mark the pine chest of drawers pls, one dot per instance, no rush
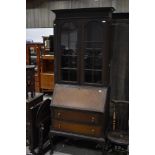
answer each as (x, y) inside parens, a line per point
(80, 110)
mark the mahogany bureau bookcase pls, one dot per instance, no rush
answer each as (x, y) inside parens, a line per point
(80, 102)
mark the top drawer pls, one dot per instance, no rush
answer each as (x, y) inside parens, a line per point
(77, 116)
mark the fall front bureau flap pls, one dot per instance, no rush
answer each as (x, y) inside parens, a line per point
(87, 98)
(80, 109)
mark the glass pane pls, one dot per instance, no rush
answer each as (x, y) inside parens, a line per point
(88, 63)
(73, 62)
(97, 77)
(64, 61)
(69, 52)
(93, 58)
(98, 52)
(89, 52)
(65, 73)
(88, 76)
(69, 38)
(97, 63)
(73, 76)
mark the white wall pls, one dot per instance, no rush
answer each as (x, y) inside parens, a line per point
(35, 34)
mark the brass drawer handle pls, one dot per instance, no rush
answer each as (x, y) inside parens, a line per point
(59, 126)
(93, 119)
(93, 131)
(58, 114)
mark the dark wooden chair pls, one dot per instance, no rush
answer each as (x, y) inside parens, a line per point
(32, 130)
(32, 106)
(118, 137)
(43, 123)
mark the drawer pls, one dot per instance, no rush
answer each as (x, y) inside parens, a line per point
(88, 130)
(47, 81)
(77, 116)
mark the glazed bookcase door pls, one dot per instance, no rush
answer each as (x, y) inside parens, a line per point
(68, 52)
(94, 52)
(82, 51)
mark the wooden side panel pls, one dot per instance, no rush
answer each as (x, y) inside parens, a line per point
(120, 60)
(36, 78)
(37, 85)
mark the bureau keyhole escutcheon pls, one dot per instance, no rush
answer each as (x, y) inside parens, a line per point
(93, 131)
(93, 119)
(59, 126)
(59, 114)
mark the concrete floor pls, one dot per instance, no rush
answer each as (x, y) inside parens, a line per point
(73, 147)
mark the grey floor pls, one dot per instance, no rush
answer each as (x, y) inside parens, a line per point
(47, 96)
(63, 148)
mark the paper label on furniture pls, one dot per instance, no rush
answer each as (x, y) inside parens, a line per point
(100, 91)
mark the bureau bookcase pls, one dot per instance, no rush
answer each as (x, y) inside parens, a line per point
(82, 65)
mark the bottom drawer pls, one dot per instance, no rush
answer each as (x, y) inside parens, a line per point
(89, 130)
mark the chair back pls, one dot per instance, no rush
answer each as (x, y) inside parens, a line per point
(43, 119)
(120, 115)
(43, 113)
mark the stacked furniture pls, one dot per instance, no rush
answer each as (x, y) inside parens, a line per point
(37, 114)
(47, 65)
(33, 57)
(47, 73)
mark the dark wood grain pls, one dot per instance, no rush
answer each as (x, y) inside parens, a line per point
(81, 19)
(77, 116)
(91, 130)
(80, 97)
